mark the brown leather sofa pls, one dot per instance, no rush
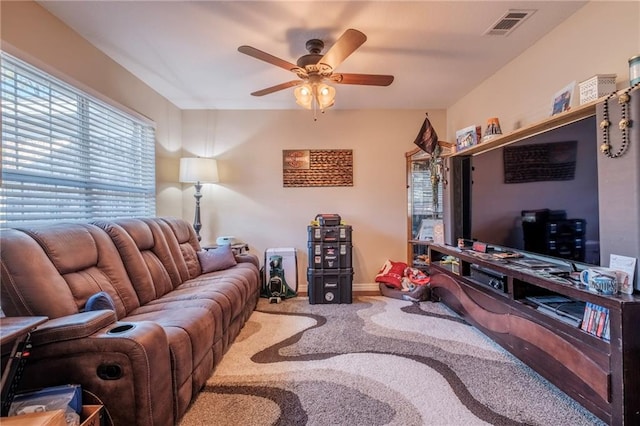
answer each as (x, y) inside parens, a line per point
(147, 360)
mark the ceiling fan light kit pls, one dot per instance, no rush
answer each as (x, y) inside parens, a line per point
(319, 95)
(313, 69)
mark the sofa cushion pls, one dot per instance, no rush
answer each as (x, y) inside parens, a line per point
(183, 245)
(190, 330)
(146, 256)
(216, 259)
(67, 263)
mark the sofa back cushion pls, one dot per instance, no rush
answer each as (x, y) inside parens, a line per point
(146, 256)
(53, 270)
(183, 245)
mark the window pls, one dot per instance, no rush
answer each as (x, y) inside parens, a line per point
(67, 156)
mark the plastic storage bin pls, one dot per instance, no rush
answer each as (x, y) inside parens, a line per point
(596, 87)
(329, 255)
(329, 233)
(330, 285)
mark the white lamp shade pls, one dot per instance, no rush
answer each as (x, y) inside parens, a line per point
(196, 169)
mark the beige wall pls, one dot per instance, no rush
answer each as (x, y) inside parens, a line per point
(251, 203)
(598, 39)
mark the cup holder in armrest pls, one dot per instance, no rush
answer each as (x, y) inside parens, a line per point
(109, 371)
(121, 328)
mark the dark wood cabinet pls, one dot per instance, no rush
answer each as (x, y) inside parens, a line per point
(602, 375)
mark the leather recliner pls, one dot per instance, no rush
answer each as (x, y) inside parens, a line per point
(147, 360)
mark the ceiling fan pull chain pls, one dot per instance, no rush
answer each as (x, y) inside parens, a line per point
(315, 109)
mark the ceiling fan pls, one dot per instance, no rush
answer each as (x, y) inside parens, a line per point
(314, 69)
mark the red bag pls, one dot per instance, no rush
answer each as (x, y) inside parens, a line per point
(391, 273)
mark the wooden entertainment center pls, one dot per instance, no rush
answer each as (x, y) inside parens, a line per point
(603, 376)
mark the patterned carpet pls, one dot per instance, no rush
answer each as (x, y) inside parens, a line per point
(378, 361)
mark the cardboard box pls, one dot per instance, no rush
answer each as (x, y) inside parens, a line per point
(45, 418)
(91, 415)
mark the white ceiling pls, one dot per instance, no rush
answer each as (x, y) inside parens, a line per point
(187, 51)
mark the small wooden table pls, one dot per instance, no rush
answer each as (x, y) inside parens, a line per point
(15, 333)
(238, 248)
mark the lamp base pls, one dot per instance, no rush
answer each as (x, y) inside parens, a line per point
(197, 226)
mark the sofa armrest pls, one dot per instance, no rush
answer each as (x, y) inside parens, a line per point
(73, 326)
(248, 258)
(127, 365)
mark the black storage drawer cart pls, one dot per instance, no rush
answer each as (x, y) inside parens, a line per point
(330, 271)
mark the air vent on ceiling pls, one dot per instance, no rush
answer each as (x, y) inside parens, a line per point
(509, 22)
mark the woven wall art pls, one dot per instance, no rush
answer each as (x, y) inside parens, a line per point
(317, 167)
(540, 162)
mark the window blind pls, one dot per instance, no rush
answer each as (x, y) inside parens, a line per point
(67, 156)
(422, 192)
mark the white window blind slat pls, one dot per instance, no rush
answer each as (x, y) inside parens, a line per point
(68, 156)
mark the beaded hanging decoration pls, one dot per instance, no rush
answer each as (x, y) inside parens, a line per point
(624, 123)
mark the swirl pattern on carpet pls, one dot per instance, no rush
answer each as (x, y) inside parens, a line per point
(377, 361)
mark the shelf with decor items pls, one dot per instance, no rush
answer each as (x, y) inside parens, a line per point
(574, 114)
(496, 290)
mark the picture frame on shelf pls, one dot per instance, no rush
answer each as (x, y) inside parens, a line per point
(430, 229)
(468, 137)
(438, 232)
(562, 99)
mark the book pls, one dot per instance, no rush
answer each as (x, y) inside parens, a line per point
(592, 318)
(507, 255)
(595, 321)
(585, 317)
(605, 333)
(601, 323)
(531, 263)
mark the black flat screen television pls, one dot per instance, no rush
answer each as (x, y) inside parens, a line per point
(498, 209)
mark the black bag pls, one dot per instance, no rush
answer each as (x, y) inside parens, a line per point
(427, 138)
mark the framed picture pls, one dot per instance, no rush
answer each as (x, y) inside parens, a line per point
(430, 229)
(438, 232)
(468, 137)
(562, 99)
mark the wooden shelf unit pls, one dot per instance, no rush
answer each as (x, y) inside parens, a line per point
(603, 376)
(561, 119)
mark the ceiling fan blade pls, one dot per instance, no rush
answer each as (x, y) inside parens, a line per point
(277, 87)
(348, 42)
(365, 79)
(263, 56)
